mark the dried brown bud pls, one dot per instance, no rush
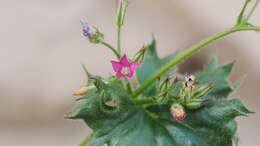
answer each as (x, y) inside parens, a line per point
(82, 90)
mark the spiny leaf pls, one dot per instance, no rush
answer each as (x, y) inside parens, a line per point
(213, 63)
(129, 125)
(92, 107)
(218, 75)
(218, 112)
(88, 75)
(97, 81)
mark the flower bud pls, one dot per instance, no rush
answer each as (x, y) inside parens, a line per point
(188, 86)
(194, 104)
(162, 98)
(167, 83)
(178, 112)
(82, 90)
(202, 90)
(121, 10)
(163, 85)
(190, 81)
(91, 32)
(139, 56)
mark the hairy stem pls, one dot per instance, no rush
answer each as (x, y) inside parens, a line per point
(189, 52)
(115, 51)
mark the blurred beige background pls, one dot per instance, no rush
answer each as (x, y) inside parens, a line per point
(42, 49)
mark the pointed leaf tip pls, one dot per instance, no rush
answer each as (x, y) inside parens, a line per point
(86, 71)
(240, 107)
(228, 67)
(213, 63)
(219, 76)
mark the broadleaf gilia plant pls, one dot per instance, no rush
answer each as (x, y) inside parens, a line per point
(160, 107)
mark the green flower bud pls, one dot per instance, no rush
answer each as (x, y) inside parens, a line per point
(96, 36)
(194, 104)
(139, 56)
(163, 85)
(162, 98)
(167, 83)
(202, 90)
(121, 11)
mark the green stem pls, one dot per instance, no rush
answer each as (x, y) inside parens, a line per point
(129, 88)
(241, 14)
(189, 52)
(142, 101)
(252, 11)
(119, 39)
(127, 85)
(116, 52)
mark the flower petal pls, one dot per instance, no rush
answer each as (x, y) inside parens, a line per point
(85, 28)
(133, 67)
(124, 61)
(117, 66)
(119, 74)
(84, 24)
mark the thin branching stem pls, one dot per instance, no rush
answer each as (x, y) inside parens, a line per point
(114, 50)
(189, 52)
(241, 14)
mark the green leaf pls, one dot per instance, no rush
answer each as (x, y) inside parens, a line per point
(129, 125)
(150, 65)
(219, 112)
(218, 75)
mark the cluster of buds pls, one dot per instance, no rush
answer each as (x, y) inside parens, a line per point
(191, 97)
(164, 87)
(92, 33)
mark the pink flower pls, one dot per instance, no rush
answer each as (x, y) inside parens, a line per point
(124, 67)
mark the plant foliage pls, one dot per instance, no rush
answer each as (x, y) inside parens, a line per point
(162, 107)
(126, 124)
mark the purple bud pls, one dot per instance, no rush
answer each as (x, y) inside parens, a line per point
(85, 28)
(91, 32)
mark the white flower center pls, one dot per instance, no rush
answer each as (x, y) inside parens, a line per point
(125, 70)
